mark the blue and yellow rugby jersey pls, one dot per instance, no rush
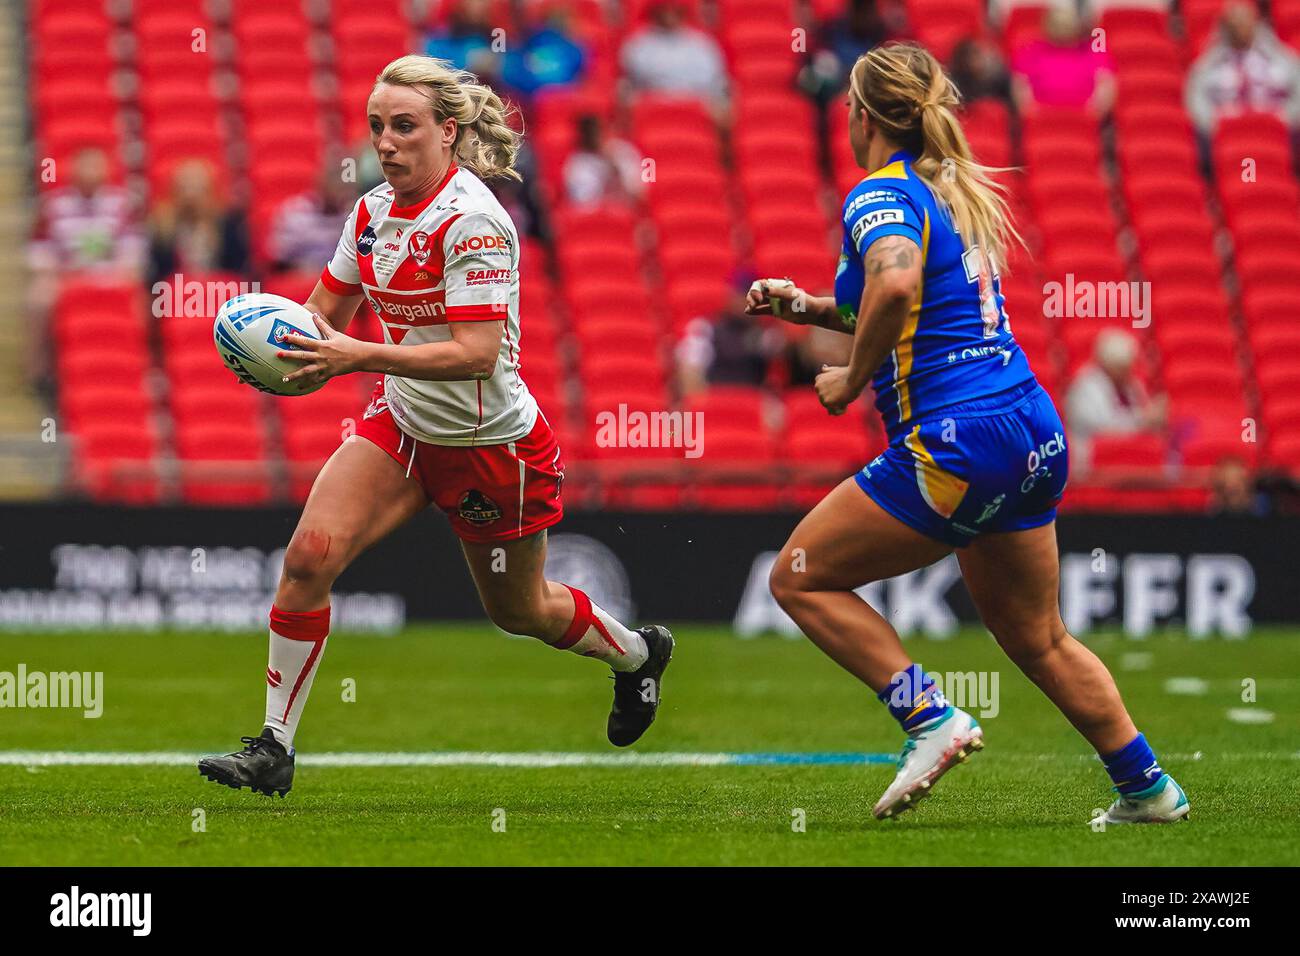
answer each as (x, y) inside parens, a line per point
(956, 343)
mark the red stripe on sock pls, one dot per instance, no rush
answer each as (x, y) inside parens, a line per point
(600, 626)
(302, 676)
(301, 625)
(582, 619)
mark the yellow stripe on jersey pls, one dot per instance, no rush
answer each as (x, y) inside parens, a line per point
(894, 170)
(942, 490)
(903, 350)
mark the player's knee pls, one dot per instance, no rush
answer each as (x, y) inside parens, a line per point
(1029, 641)
(785, 584)
(315, 556)
(525, 620)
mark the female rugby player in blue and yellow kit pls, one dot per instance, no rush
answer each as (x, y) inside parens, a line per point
(977, 457)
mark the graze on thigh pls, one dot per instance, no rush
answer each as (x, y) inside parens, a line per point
(848, 540)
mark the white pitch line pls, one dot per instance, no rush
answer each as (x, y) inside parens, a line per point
(171, 758)
(539, 759)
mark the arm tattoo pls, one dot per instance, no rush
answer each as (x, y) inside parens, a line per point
(891, 252)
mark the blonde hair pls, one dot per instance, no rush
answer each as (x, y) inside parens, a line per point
(909, 97)
(485, 142)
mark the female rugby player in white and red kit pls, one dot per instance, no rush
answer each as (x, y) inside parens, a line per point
(452, 423)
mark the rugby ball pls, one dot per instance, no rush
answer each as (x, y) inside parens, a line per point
(250, 330)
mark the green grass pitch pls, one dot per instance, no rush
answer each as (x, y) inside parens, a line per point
(1024, 800)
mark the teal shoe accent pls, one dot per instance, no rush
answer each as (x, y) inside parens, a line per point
(908, 746)
(934, 722)
(1154, 790)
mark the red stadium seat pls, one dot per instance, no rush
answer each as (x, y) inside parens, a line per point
(1155, 84)
(605, 372)
(619, 335)
(941, 24)
(1061, 150)
(688, 299)
(1204, 373)
(696, 259)
(1141, 450)
(117, 461)
(1204, 451)
(849, 447)
(43, 11)
(215, 402)
(106, 363)
(1282, 417)
(1271, 305)
(1269, 340)
(223, 464)
(604, 299)
(743, 481)
(1284, 452)
(104, 401)
(730, 406)
(336, 405)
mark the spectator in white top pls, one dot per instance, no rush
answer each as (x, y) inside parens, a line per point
(1107, 398)
(602, 169)
(89, 226)
(668, 56)
(90, 223)
(306, 227)
(1248, 70)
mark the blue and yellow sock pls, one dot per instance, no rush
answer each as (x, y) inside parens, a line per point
(1133, 767)
(913, 698)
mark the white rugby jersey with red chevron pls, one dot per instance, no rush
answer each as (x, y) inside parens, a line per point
(452, 258)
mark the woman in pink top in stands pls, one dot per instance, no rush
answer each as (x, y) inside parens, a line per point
(1066, 67)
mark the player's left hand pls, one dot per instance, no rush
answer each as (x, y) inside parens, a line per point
(834, 390)
(332, 354)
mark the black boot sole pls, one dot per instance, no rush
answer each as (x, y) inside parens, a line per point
(217, 775)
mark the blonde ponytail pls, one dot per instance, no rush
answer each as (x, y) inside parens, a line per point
(907, 94)
(485, 144)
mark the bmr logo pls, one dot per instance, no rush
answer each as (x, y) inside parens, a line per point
(871, 220)
(481, 244)
(74, 908)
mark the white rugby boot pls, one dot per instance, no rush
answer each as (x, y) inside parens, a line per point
(931, 751)
(1162, 802)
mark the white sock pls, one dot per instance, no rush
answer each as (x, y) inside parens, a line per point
(595, 633)
(297, 643)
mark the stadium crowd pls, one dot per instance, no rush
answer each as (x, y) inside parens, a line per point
(674, 151)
